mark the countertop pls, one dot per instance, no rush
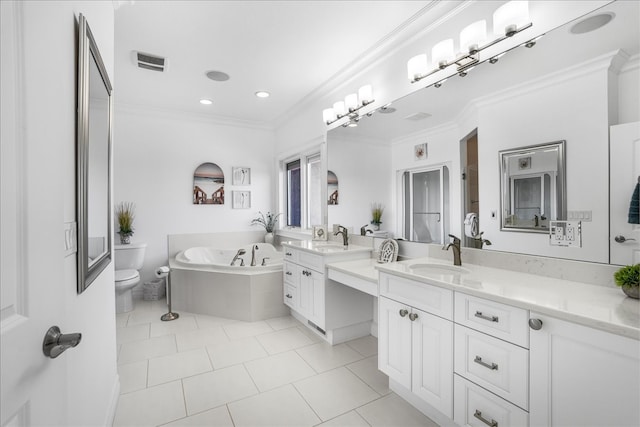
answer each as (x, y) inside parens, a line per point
(599, 307)
(322, 247)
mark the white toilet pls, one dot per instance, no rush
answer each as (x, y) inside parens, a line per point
(128, 260)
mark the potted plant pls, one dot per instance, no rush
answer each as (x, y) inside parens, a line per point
(376, 214)
(126, 213)
(628, 278)
(269, 222)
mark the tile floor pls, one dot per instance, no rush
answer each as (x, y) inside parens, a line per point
(208, 371)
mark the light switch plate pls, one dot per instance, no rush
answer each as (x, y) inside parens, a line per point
(565, 233)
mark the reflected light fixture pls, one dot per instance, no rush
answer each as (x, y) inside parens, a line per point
(205, 101)
(508, 20)
(262, 94)
(349, 107)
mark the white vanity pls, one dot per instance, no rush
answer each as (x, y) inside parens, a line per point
(475, 346)
(336, 312)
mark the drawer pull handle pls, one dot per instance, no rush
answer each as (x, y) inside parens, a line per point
(306, 273)
(413, 316)
(489, 318)
(403, 312)
(288, 253)
(492, 366)
(492, 423)
(288, 273)
(289, 296)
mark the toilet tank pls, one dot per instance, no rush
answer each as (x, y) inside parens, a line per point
(129, 257)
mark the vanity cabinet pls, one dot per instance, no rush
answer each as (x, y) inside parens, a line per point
(415, 339)
(335, 311)
(582, 376)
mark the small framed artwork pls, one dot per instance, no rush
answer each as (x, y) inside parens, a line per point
(420, 151)
(241, 199)
(524, 163)
(241, 175)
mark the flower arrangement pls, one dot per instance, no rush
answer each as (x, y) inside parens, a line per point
(376, 213)
(268, 221)
(125, 213)
(628, 278)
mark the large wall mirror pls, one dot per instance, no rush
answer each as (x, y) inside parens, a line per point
(572, 86)
(93, 159)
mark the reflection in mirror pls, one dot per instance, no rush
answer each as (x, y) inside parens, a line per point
(570, 86)
(533, 187)
(94, 160)
(332, 188)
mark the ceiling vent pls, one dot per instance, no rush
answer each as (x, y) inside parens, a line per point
(417, 116)
(150, 62)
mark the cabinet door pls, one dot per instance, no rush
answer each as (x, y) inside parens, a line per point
(432, 351)
(582, 376)
(312, 295)
(394, 340)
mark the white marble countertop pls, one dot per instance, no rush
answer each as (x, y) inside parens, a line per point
(600, 307)
(364, 269)
(325, 247)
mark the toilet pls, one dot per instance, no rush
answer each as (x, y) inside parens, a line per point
(128, 260)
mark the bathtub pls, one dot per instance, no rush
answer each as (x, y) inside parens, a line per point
(203, 281)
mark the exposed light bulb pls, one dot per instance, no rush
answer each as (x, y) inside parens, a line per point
(205, 101)
(510, 16)
(473, 36)
(442, 53)
(417, 67)
(365, 94)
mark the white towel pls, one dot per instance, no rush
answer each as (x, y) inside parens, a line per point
(471, 225)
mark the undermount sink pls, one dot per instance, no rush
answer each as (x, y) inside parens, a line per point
(328, 247)
(428, 269)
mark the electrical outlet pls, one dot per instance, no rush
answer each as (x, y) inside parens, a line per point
(565, 233)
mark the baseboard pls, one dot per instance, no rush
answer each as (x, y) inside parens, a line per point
(113, 402)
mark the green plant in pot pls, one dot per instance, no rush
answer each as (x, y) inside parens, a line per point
(125, 213)
(269, 222)
(376, 215)
(628, 278)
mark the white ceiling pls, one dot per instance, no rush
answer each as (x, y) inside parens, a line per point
(289, 48)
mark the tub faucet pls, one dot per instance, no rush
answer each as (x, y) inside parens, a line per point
(345, 235)
(456, 249)
(235, 258)
(253, 255)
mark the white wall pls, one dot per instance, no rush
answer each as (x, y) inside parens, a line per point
(50, 35)
(155, 155)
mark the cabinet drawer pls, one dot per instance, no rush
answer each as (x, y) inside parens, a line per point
(289, 272)
(498, 366)
(312, 261)
(496, 319)
(429, 298)
(477, 407)
(291, 296)
(290, 255)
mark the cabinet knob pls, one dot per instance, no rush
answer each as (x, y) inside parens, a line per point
(403, 312)
(288, 253)
(289, 296)
(288, 273)
(535, 324)
(413, 316)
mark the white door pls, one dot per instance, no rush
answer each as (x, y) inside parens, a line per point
(33, 387)
(394, 341)
(624, 170)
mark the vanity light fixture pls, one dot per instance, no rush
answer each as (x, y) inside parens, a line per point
(349, 107)
(508, 20)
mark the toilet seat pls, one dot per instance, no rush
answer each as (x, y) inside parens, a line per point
(126, 277)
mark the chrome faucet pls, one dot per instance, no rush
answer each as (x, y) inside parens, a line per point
(345, 235)
(253, 255)
(235, 258)
(364, 231)
(456, 249)
(481, 241)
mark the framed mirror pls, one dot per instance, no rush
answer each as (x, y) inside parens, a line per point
(533, 187)
(93, 162)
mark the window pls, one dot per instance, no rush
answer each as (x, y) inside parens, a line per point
(303, 190)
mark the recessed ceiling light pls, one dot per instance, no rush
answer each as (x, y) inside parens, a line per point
(206, 101)
(262, 94)
(217, 76)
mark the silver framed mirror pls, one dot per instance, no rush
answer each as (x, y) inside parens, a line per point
(93, 161)
(533, 187)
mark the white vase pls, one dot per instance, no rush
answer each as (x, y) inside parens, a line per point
(269, 238)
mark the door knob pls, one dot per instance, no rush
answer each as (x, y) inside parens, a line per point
(621, 239)
(535, 324)
(55, 343)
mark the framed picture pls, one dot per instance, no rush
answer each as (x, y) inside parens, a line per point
(241, 175)
(420, 151)
(208, 185)
(241, 199)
